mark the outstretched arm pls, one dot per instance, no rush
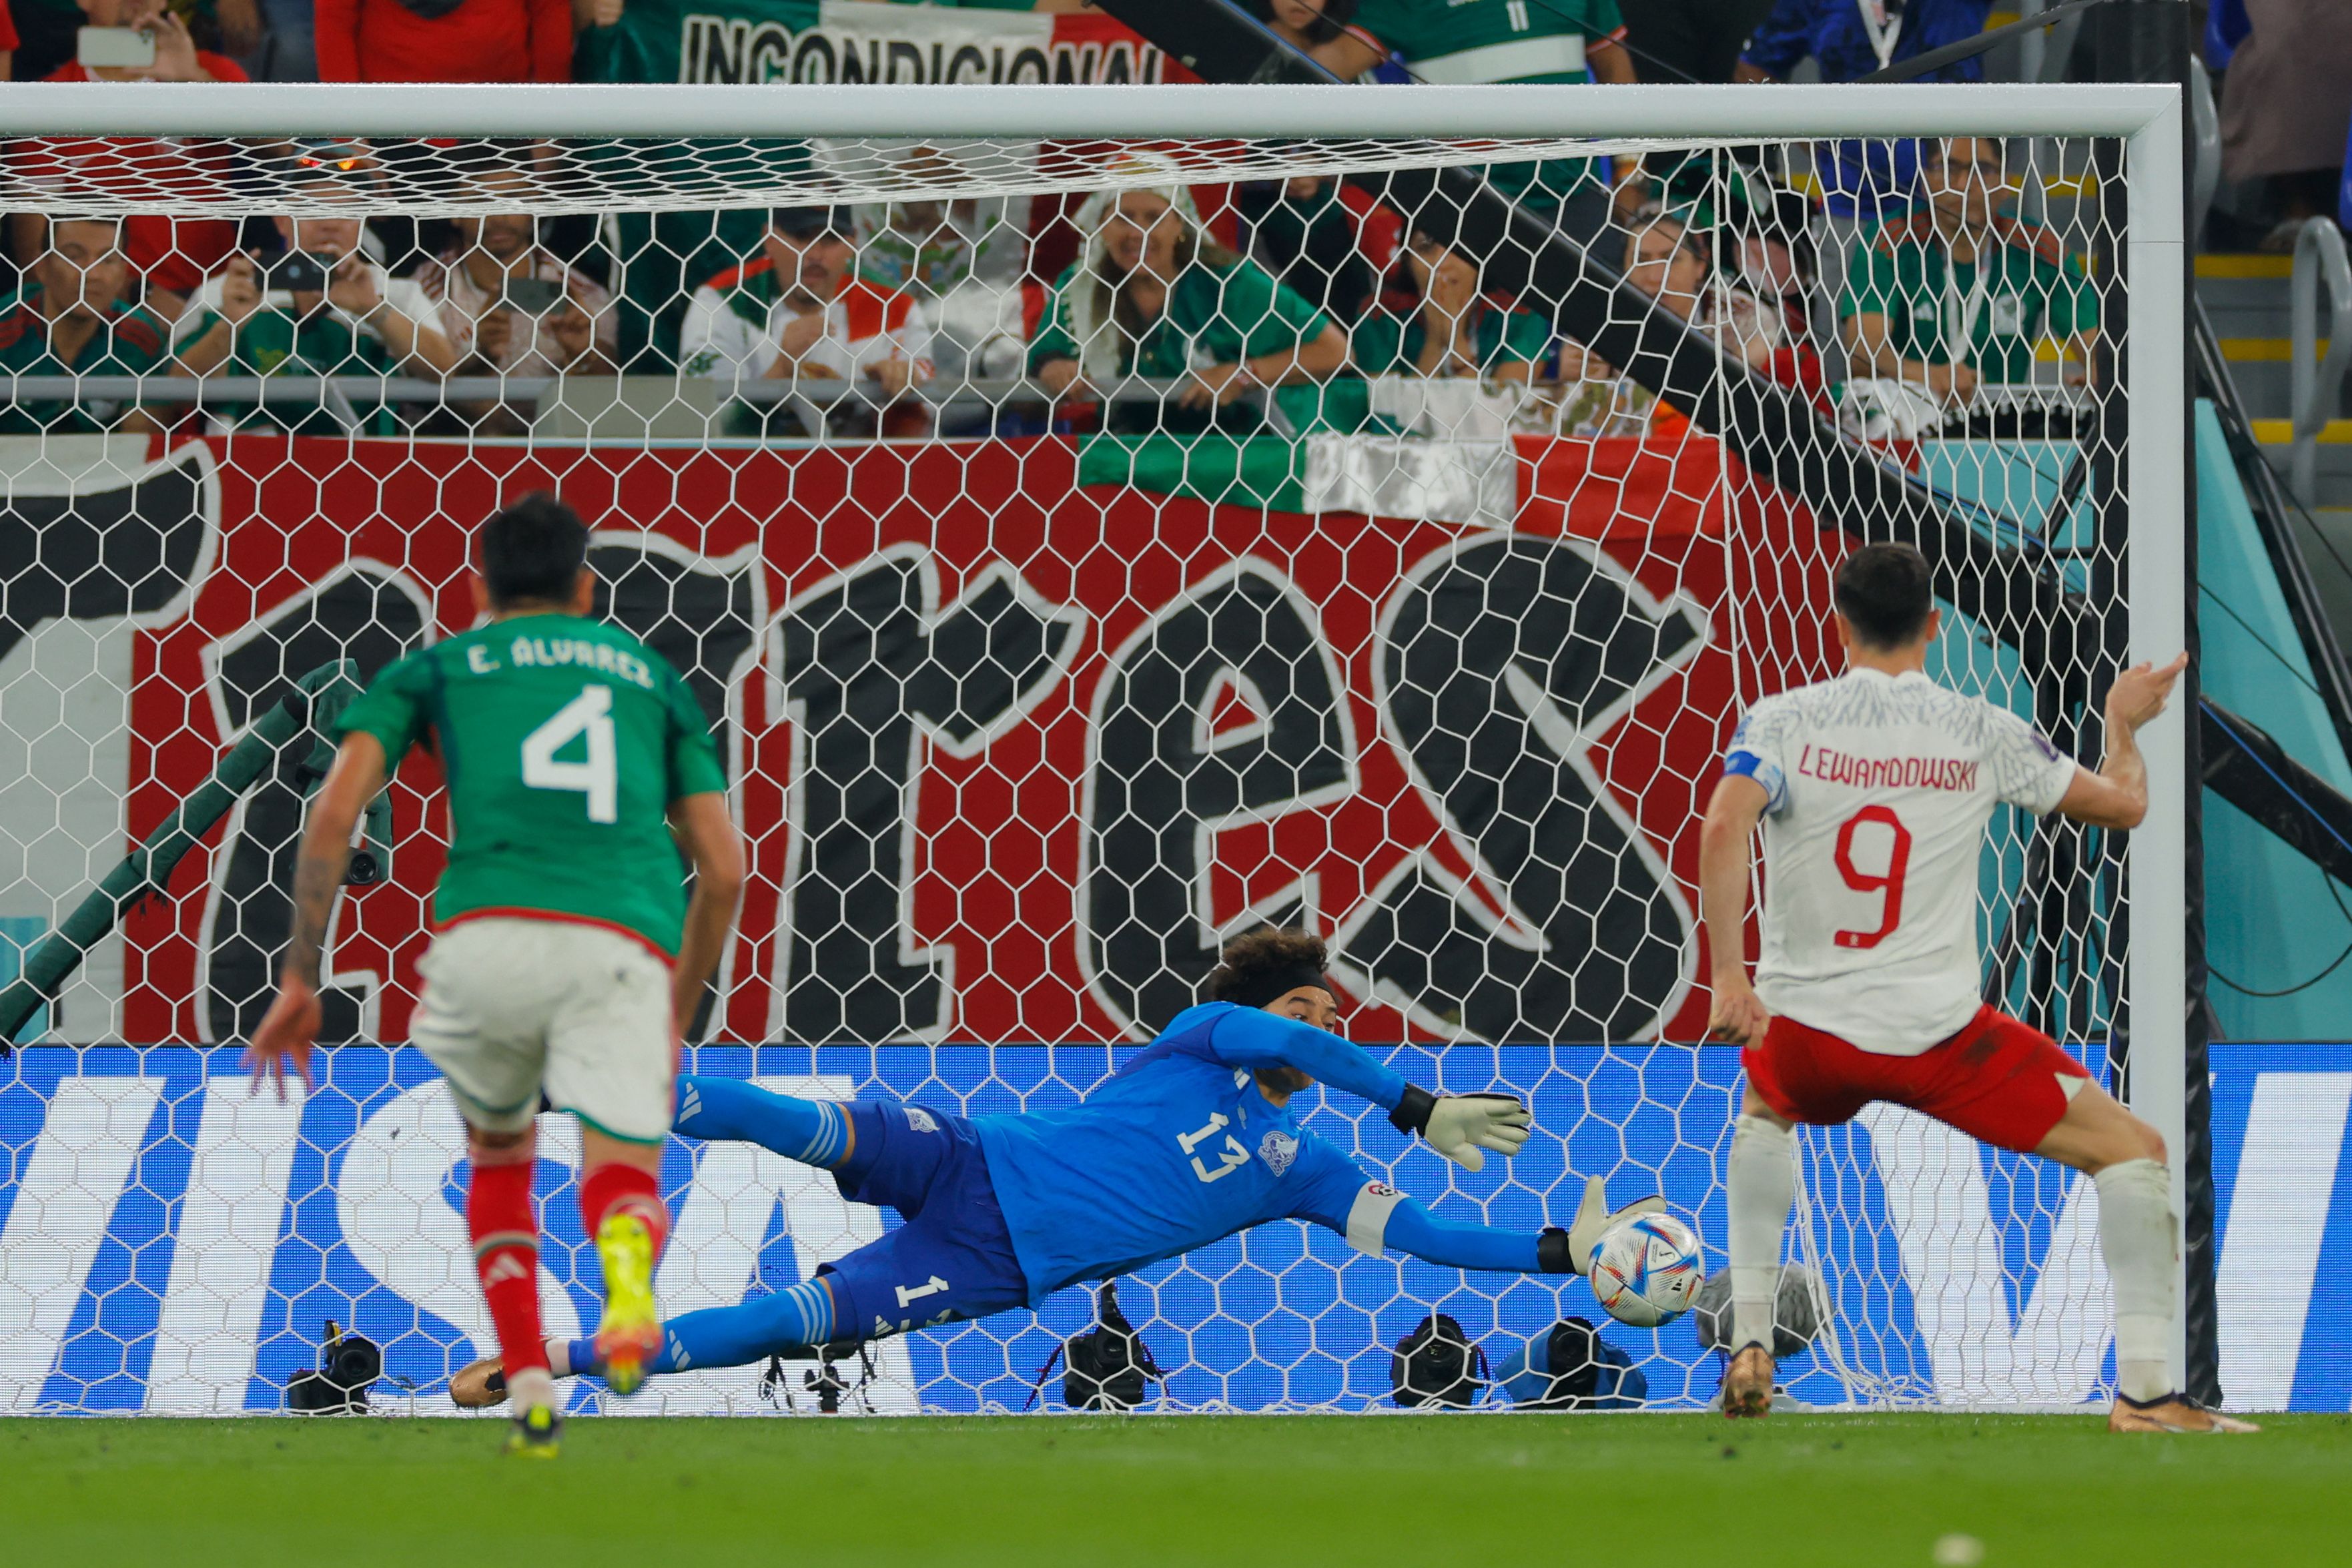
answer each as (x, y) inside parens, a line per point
(283, 1041)
(1253, 1037)
(1375, 1216)
(1459, 1127)
(1381, 1217)
(1412, 1228)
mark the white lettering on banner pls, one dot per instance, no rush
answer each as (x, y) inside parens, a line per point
(713, 1260)
(69, 666)
(64, 777)
(229, 1227)
(2278, 1216)
(1941, 1210)
(64, 1201)
(399, 1225)
(856, 42)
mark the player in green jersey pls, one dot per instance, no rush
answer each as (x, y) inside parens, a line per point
(568, 958)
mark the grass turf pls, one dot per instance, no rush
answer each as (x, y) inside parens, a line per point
(1820, 1491)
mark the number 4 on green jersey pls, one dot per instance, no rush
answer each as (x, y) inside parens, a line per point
(587, 717)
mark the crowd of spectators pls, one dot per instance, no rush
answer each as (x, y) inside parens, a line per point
(1904, 279)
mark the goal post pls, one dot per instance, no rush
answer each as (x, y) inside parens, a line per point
(1031, 683)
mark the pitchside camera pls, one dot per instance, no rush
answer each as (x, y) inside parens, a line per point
(348, 1367)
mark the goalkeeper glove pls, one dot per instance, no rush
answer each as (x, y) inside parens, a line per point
(1462, 1127)
(1569, 1251)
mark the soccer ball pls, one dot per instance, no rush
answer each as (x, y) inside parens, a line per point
(1647, 1270)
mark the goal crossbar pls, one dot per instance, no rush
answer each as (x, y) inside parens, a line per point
(1674, 113)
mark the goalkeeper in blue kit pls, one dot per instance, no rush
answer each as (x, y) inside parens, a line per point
(1194, 1139)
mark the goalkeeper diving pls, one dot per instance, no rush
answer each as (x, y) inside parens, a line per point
(1196, 1138)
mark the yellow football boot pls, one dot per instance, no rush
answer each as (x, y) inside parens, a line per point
(631, 1334)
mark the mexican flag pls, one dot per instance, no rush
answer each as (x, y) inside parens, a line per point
(1604, 487)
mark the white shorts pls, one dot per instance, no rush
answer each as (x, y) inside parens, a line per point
(515, 1006)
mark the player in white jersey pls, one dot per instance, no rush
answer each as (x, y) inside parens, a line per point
(1873, 790)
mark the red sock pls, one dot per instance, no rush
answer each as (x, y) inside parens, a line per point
(506, 1258)
(616, 1187)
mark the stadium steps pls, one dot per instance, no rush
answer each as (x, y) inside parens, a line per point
(2246, 299)
(2277, 437)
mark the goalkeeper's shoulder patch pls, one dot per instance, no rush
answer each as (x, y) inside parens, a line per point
(1367, 1218)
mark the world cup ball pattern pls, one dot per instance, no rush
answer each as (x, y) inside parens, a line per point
(1647, 1270)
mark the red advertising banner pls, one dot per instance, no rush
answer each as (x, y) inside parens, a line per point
(1010, 752)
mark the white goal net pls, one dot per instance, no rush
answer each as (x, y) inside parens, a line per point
(1086, 546)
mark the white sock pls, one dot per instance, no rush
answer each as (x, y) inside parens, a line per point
(1762, 1180)
(558, 1357)
(2141, 1243)
(529, 1388)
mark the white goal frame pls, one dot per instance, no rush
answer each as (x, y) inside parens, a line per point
(2148, 119)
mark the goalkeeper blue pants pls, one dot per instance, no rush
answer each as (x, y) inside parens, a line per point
(950, 1259)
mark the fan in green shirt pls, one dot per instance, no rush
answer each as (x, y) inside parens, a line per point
(1957, 294)
(1440, 325)
(1434, 321)
(1153, 295)
(1526, 42)
(70, 319)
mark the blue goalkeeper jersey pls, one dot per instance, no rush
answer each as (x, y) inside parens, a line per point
(1180, 1149)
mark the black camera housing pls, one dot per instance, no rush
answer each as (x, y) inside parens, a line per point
(299, 272)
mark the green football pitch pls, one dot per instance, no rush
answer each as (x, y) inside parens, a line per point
(1819, 1490)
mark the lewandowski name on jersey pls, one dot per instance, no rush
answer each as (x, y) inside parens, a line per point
(1886, 773)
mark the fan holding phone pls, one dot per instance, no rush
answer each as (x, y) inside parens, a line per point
(510, 306)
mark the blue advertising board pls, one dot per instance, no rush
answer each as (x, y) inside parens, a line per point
(172, 1242)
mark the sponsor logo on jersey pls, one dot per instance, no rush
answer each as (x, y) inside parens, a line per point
(921, 1121)
(1278, 1149)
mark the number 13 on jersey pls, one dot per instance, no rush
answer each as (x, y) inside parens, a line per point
(588, 719)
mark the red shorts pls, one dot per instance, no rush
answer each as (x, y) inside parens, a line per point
(1998, 1080)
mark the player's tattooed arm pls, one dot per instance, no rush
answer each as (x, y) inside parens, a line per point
(2116, 795)
(282, 1043)
(315, 878)
(326, 852)
(708, 836)
(1737, 1015)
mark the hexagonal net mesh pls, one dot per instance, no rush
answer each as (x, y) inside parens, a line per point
(1081, 551)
